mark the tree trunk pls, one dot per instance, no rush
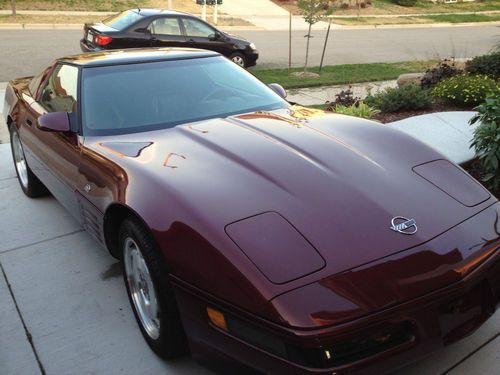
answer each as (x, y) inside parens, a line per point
(307, 47)
(13, 5)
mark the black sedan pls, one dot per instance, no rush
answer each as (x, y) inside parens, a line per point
(164, 28)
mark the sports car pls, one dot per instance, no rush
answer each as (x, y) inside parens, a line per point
(253, 231)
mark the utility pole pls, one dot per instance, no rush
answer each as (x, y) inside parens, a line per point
(216, 10)
(13, 5)
(290, 43)
(204, 11)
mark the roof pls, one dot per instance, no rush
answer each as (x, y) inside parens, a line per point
(135, 55)
(152, 12)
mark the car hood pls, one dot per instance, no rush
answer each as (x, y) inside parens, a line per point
(237, 38)
(337, 180)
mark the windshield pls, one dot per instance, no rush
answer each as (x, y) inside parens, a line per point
(122, 20)
(132, 98)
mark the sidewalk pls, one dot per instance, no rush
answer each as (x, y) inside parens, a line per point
(320, 95)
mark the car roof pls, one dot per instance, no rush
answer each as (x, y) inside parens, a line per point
(153, 12)
(134, 55)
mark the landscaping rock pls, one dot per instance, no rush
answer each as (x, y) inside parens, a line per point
(410, 79)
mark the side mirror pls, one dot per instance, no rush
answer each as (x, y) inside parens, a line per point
(278, 89)
(215, 36)
(54, 122)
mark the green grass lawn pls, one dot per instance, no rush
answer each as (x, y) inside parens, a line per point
(458, 18)
(442, 18)
(422, 6)
(99, 5)
(342, 74)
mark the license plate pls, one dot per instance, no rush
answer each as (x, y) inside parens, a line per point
(90, 37)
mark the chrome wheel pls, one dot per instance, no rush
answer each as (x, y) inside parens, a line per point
(141, 288)
(19, 160)
(238, 60)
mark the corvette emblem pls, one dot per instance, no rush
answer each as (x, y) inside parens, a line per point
(403, 225)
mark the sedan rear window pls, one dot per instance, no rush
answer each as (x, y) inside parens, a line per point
(122, 20)
(132, 98)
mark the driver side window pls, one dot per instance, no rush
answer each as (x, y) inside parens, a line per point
(197, 28)
(60, 92)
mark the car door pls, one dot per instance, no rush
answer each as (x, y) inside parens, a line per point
(167, 32)
(201, 35)
(56, 154)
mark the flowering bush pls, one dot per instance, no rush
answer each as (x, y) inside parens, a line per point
(466, 91)
(445, 69)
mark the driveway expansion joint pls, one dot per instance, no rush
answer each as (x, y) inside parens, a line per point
(29, 337)
(472, 353)
(2, 252)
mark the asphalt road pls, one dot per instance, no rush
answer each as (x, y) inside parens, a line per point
(24, 52)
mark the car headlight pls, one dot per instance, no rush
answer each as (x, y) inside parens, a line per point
(252, 46)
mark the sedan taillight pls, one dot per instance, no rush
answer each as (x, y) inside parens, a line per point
(102, 40)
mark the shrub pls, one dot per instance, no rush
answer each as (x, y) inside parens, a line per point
(486, 64)
(486, 141)
(400, 99)
(345, 98)
(466, 90)
(359, 109)
(444, 69)
(405, 3)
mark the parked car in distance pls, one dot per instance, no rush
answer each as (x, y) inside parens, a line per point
(292, 240)
(139, 28)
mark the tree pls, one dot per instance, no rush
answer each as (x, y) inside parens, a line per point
(313, 12)
(13, 6)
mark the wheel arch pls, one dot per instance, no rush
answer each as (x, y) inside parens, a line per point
(115, 214)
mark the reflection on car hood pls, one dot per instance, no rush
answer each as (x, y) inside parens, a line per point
(338, 180)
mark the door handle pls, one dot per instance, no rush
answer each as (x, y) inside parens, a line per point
(191, 40)
(29, 122)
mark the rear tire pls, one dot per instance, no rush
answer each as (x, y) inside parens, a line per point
(30, 184)
(239, 59)
(150, 292)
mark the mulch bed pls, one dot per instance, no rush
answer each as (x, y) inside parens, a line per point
(396, 116)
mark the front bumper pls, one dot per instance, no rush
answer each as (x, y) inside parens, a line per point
(433, 320)
(252, 58)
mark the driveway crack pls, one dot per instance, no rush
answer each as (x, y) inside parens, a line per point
(471, 354)
(26, 331)
(2, 252)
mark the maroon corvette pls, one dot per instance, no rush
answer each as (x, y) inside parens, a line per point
(249, 229)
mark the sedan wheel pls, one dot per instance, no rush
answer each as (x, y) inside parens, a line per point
(238, 59)
(150, 292)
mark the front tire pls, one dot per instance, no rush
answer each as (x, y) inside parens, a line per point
(239, 59)
(30, 184)
(150, 292)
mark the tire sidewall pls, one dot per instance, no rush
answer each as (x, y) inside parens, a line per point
(13, 130)
(165, 345)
